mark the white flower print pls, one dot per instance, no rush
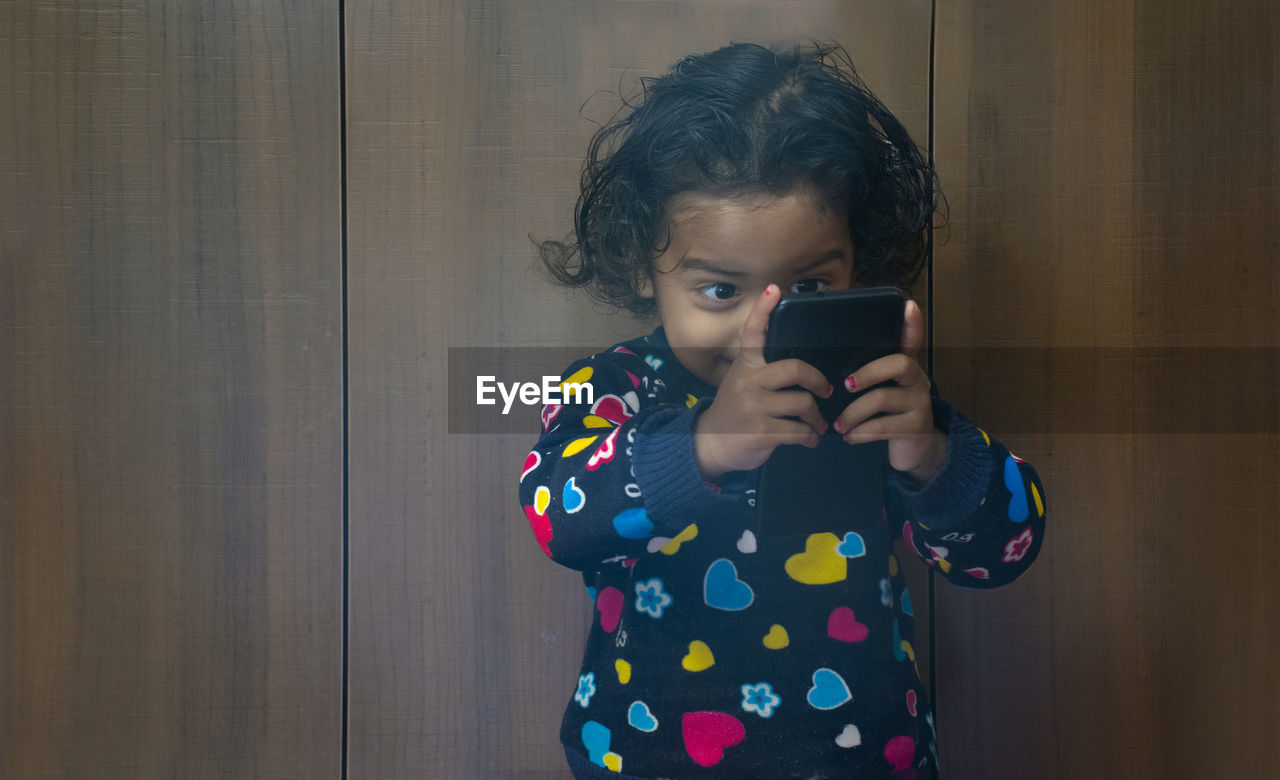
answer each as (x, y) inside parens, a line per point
(652, 598)
(760, 699)
(586, 688)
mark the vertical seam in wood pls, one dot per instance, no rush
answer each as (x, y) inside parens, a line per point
(346, 388)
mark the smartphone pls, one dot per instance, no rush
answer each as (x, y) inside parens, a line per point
(835, 486)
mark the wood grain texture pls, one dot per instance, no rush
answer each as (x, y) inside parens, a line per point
(1112, 170)
(170, 390)
(465, 136)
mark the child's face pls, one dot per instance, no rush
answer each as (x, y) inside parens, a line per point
(723, 254)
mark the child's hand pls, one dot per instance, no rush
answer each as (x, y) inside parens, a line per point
(915, 445)
(748, 418)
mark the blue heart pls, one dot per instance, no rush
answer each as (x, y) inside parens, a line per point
(852, 546)
(572, 497)
(898, 653)
(633, 524)
(829, 690)
(723, 590)
(640, 717)
(906, 603)
(596, 738)
(1013, 480)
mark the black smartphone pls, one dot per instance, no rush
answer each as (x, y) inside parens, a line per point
(836, 486)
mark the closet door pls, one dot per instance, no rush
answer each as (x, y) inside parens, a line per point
(1106, 304)
(465, 137)
(170, 390)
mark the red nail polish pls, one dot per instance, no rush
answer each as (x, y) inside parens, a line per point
(849, 384)
(838, 425)
(830, 390)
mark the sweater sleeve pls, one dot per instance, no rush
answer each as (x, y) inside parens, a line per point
(981, 519)
(617, 479)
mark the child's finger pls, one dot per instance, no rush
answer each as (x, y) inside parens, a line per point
(794, 432)
(751, 340)
(879, 403)
(901, 368)
(912, 329)
(790, 372)
(797, 404)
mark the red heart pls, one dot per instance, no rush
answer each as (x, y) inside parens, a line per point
(911, 702)
(531, 462)
(541, 526)
(707, 734)
(609, 602)
(605, 452)
(900, 752)
(611, 408)
(844, 627)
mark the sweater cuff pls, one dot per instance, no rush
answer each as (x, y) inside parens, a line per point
(960, 485)
(666, 470)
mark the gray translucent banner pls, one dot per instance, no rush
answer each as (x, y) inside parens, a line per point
(1009, 390)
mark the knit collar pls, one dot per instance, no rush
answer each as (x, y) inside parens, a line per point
(658, 341)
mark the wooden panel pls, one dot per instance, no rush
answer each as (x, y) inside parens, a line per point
(1112, 172)
(170, 390)
(464, 138)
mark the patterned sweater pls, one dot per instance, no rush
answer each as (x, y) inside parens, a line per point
(715, 651)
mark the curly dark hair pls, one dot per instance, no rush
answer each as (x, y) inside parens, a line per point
(741, 120)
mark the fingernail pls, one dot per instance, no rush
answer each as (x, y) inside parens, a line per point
(849, 384)
(838, 425)
(830, 390)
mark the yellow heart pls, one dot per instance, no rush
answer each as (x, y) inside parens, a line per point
(624, 671)
(613, 762)
(893, 566)
(578, 377)
(819, 564)
(906, 648)
(592, 421)
(672, 547)
(578, 445)
(541, 499)
(699, 657)
(1039, 504)
(777, 638)
(690, 400)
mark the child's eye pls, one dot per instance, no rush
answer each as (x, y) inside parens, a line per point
(809, 285)
(719, 291)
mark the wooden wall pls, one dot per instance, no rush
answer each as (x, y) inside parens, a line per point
(1112, 168)
(170, 390)
(183, 473)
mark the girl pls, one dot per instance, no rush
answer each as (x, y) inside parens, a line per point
(742, 175)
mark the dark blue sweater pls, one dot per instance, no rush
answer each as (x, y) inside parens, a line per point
(717, 652)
